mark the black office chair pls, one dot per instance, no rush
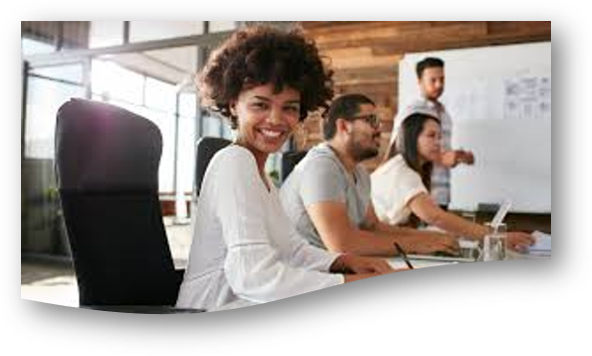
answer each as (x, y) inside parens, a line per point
(289, 161)
(107, 161)
(206, 148)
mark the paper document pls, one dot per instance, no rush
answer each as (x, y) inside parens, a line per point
(445, 259)
(542, 243)
(398, 263)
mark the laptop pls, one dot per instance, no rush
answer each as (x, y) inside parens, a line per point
(498, 218)
(501, 213)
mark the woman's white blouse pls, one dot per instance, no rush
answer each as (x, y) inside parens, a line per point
(244, 246)
(394, 185)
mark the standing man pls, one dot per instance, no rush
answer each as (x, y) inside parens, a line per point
(327, 195)
(430, 78)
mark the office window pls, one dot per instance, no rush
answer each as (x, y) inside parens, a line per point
(160, 102)
(135, 108)
(173, 65)
(186, 153)
(219, 26)
(72, 73)
(227, 132)
(156, 101)
(187, 141)
(157, 30)
(105, 33)
(30, 47)
(188, 104)
(110, 80)
(44, 97)
(212, 125)
(160, 95)
(166, 124)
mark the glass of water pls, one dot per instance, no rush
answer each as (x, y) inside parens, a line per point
(495, 242)
(469, 248)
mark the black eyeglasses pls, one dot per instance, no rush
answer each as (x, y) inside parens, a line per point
(372, 120)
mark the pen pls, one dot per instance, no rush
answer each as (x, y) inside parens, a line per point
(402, 253)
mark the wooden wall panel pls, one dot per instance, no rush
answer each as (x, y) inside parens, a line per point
(67, 34)
(365, 56)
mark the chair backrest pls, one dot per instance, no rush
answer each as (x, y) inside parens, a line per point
(206, 148)
(289, 161)
(107, 161)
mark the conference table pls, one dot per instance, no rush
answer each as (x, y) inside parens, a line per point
(423, 261)
(417, 262)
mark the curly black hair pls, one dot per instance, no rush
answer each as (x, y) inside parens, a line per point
(262, 55)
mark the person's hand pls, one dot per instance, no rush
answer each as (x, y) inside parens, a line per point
(519, 241)
(362, 265)
(426, 243)
(452, 158)
(465, 157)
(449, 159)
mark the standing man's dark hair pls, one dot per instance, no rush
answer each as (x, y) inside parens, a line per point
(344, 107)
(429, 62)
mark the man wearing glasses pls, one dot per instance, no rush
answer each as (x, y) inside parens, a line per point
(327, 195)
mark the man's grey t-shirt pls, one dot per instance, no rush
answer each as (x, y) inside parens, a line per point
(321, 177)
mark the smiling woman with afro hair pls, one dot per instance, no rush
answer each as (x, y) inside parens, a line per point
(261, 55)
(245, 249)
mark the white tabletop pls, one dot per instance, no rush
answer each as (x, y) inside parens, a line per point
(513, 255)
(397, 262)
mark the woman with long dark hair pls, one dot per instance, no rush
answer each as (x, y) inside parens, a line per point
(400, 186)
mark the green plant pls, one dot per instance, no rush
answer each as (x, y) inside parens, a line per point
(275, 176)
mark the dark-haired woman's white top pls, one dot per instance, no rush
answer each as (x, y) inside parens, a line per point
(394, 185)
(244, 246)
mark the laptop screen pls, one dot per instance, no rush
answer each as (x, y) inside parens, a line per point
(501, 213)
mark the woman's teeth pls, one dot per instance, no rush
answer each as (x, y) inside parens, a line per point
(272, 134)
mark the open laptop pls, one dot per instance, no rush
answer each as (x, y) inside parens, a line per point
(501, 213)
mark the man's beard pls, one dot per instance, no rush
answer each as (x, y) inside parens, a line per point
(360, 153)
(435, 96)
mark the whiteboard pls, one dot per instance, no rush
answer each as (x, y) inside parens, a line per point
(499, 99)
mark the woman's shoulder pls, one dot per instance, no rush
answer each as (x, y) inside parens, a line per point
(231, 151)
(404, 170)
(234, 165)
(233, 157)
(393, 165)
